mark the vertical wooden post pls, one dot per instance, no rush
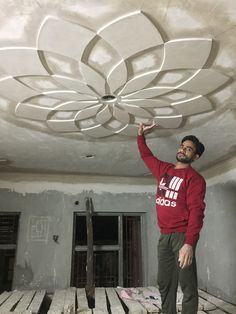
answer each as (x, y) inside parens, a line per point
(89, 269)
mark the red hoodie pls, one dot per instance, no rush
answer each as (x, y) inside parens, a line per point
(179, 198)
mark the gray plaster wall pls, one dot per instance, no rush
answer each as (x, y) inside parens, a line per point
(47, 208)
(216, 252)
(50, 202)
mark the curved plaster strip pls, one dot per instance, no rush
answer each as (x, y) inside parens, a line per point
(129, 130)
(63, 125)
(171, 122)
(138, 82)
(93, 79)
(39, 83)
(21, 92)
(206, 81)
(149, 92)
(21, 61)
(75, 105)
(121, 35)
(192, 106)
(121, 115)
(97, 131)
(67, 95)
(56, 35)
(104, 115)
(74, 84)
(147, 103)
(117, 77)
(26, 110)
(186, 53)
(88, 112)
(136, 111)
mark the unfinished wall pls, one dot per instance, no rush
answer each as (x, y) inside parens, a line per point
(47, 205)
(216, 251)
(50, 202)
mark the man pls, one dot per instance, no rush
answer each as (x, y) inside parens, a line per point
(180, 212)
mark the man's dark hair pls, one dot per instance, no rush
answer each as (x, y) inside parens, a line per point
(199, 146)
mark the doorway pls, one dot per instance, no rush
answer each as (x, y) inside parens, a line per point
(8, 244)
(117, 250)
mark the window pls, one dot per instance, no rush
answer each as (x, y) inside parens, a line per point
(116, 250)
(8, 242)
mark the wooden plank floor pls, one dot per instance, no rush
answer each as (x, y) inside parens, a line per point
(107, 301)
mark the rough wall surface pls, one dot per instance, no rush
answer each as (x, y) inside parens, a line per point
(43, 263)
(48, 203)
(216, 251)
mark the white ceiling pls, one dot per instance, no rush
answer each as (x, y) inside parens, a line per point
(77, 77)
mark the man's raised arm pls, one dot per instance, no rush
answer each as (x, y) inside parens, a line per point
(147, 156)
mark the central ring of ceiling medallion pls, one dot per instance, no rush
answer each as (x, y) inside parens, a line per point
(109, 99)
(106, 82)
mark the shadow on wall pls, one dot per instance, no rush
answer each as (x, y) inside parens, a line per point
(23, 276)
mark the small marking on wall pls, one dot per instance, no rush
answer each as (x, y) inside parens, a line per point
(38, 228)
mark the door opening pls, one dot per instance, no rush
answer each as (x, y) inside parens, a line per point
(8, 242)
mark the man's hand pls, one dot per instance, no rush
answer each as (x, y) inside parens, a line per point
(185, 256)
(145, 128)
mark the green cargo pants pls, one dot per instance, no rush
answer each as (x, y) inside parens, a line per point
(169, 274)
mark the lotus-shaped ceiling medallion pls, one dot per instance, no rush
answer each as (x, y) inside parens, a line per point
(104, 83)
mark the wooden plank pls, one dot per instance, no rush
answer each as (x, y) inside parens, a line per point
(25, 301)
(114, 301)
(225, 306)
(37, 301)
(217, 311)
(69, 305)
(134, 306)
(147, 302)
(24, 312)
(58, 301)
(4, 296)
(99, 311)
(89, 311)
(206, 306)
(89, 266)
(82, 302)
(203, 304)
(100, 301)
(11, 302)
(156, 294)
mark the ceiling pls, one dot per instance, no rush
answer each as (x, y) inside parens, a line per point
(77, 78)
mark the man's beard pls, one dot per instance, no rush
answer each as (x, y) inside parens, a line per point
(184, 160)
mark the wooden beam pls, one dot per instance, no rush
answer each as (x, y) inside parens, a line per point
(114, 301)
(4, 296)
(225, 306)
(25, 301)
(37, 301)
(148, 305)
(69, 305)
(100, 301)
(11, 302)
(82, 302)
(89, 269)
(58, 300)
(134, 306)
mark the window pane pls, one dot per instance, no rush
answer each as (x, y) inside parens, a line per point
(105, 230)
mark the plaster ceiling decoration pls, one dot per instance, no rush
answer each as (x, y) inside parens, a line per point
(106, 82)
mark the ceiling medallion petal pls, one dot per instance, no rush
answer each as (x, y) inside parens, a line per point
(104, 82)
